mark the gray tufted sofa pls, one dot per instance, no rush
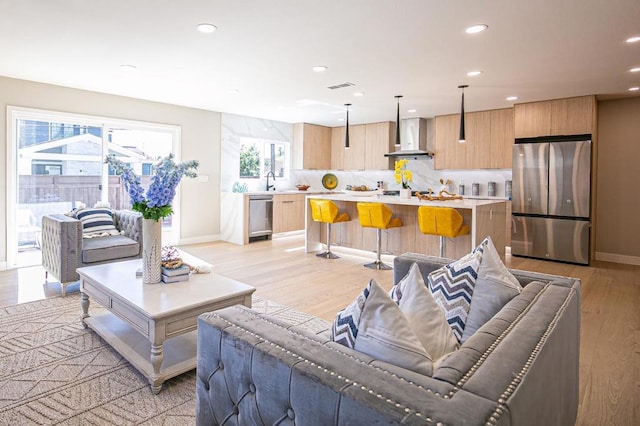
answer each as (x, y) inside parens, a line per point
(64, 249)
(520, 368)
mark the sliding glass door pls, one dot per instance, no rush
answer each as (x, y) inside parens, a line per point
(56, 164)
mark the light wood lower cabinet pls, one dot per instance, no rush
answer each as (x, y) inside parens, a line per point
(288, 212)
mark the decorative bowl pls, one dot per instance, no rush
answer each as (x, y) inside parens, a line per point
(302, 187)
(330, 181)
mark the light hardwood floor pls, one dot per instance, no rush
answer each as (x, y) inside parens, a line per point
(282, 272)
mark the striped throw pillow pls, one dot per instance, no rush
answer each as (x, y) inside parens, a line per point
(452, 287)
(96, 222)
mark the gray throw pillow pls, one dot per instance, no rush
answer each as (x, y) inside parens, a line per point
(374, 325)
(495, 286)
(423, 313)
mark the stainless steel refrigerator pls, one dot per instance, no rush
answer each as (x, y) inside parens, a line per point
(551, 199)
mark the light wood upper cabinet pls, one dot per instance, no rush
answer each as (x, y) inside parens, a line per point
(558, 117)
(573, 116)
(532, 119)
(311, 146)
(447, 149)
(288, 212)
(379, 141)
(478, 141)
(337, 148)
(367, 145)
(489, 134)
(354, 156)
(502, 138)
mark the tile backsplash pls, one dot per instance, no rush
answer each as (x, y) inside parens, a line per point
(424, 177)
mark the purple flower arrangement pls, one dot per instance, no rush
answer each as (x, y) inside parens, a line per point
(167, 175)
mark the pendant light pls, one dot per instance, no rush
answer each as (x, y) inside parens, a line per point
(346, 130)
(461, 139)
(398, 121)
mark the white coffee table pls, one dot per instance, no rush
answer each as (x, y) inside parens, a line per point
(153, 326)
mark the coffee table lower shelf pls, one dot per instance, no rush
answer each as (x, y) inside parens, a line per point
(179, 353)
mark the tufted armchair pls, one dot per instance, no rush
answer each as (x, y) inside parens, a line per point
(64, 249)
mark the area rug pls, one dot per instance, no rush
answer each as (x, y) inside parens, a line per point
(55, 372)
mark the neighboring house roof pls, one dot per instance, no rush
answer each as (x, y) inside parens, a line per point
(37, 152)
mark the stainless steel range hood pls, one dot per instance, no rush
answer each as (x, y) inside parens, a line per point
(415, 137)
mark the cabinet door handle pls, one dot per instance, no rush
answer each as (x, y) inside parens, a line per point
(287, 202)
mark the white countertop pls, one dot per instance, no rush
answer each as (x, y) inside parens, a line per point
(465, 203)
(285, 192)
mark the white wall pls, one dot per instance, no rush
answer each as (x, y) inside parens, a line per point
(200, 140)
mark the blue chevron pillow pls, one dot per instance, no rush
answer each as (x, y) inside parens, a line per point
(452, 287)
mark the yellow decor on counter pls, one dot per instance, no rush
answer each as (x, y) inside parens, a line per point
(401, 174)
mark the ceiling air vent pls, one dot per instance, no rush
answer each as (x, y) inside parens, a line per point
(341, 85)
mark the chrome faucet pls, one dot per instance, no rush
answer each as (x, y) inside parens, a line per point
(274, 178)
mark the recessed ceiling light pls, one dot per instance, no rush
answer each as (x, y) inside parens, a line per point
(512, 98)
(474, 73)
(633, 39)
(233, 91)
(358, 94)
(128, 68)
(411, 110)
(474, 29)
(319, 68)
(636, 69)
(206, 28)
(340, 119)
(633, 89)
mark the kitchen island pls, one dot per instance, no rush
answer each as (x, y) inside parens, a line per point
(484, 217)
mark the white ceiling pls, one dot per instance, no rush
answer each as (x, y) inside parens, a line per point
(539, 49)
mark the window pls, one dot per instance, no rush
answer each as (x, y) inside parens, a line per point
(55, 162)
(42, 168)
(260, 156)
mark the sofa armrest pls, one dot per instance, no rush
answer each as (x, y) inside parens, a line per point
(61, 246)
(526, 357)
(252, 370)
(130, 224)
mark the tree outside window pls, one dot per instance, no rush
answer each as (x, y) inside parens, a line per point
(258, 157)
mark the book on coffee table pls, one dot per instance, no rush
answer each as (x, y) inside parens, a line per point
(174, 278)
(180, 270)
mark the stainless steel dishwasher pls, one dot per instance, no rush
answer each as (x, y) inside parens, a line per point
(260, 217)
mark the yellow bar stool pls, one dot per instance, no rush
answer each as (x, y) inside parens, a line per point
(445, 222)
(377, 215)
(327, 212)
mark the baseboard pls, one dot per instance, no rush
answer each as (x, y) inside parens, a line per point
(618, 258)
(199, 240)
